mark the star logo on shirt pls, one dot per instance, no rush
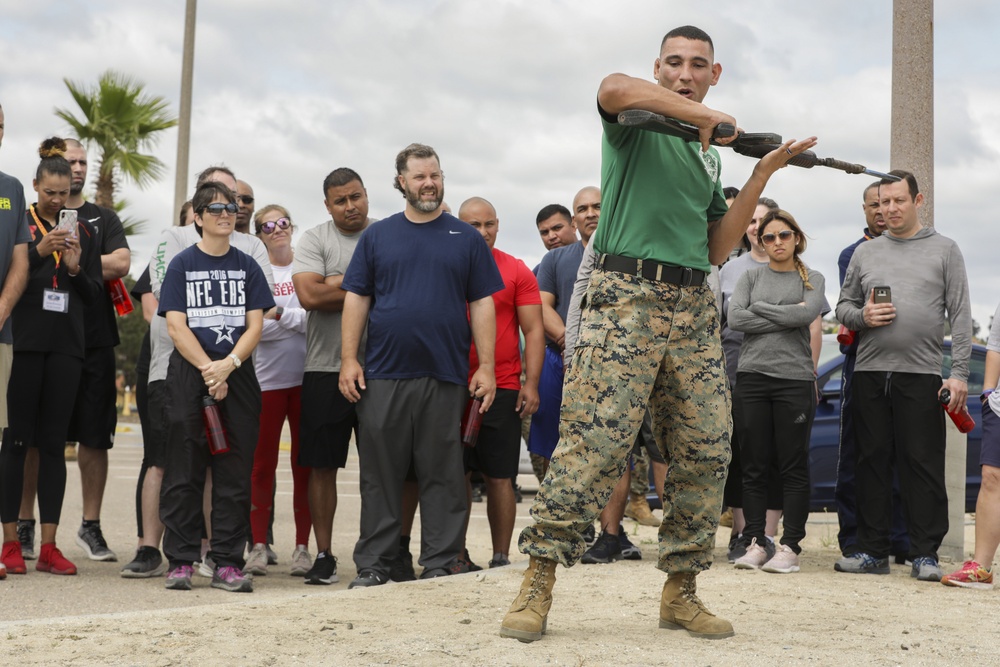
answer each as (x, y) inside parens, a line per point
(224, 331)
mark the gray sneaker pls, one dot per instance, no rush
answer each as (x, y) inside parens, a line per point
(206, 568)
(272, 557)
(862, 563)
(925, 568)
(256, 561)
(302, 561)
(26, 536)
(91, 539)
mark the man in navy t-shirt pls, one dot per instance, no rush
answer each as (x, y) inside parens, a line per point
(419, 279)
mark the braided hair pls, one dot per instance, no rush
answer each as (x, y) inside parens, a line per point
(800, 245)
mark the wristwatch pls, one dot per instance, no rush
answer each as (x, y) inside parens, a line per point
(236, 361)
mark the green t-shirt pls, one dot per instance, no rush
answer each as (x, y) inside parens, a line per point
(658, 194)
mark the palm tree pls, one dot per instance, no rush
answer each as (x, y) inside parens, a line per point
(121, 120)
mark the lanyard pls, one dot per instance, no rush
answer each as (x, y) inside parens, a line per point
(41, 228)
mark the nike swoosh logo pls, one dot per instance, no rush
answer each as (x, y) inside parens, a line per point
(93, 219)
(451, 232)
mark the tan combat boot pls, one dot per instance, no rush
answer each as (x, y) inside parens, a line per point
(680, 609)
(638, 509)
(526, 619)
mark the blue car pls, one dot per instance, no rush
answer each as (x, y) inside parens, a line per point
(824, 444)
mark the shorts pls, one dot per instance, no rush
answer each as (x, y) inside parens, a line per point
(544, 434)
(328, 420)
(497, 452)
(155, 426)
(989, 455)
(6, 359)
(95, 415)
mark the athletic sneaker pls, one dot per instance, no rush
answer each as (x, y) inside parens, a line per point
(367, 578)
(926, 568)
(785, 561)
(51, 560)
(862, 563)
(499, 562)
(589, 535)
(272, 557)
(629, 550)
(12, 559)
(607, 549)
(3, 570)
(972, 575)
(737, 548)
(26, 535)
(324, 570)
(179, 578)
(256, 561)
(466, 560)
(206, 568)
(147, 563)
(401, 567)
(301, 561)
(753, 558)
(229, 578)
(91, 539)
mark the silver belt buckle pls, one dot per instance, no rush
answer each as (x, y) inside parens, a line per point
(687, 276)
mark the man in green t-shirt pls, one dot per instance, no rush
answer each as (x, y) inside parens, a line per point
(649, 336)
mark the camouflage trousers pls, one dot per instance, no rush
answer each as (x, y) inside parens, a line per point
(641, 343)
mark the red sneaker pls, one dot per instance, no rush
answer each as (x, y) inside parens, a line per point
(11, 557)
(51, 560)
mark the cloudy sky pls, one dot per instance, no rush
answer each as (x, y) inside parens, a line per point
(505, 91)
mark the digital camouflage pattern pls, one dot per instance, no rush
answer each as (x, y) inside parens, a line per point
(641, 343)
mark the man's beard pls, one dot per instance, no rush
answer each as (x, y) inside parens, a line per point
(76, 188)
(425, 206)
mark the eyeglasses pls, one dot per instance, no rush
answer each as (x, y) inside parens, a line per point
(785, 235)
(269, 227)
(245, 199)
(218, 209)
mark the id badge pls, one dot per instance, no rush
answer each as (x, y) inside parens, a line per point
(56, 301)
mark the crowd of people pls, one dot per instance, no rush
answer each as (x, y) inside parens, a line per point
(682, 328)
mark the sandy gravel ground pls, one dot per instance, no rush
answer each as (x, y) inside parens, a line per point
(602, 614)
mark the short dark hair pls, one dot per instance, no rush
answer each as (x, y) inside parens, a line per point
(339, 177)
(907, 176)
(204, 195)
(53, 159)
(730, 192)
(185, 207)
(871, 186)
(203, 176)
(419, 151)
(768, 203)
(551, 210)
(688, 32)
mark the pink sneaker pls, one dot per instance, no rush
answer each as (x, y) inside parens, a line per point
(753, 558)
(972, 575)
(784, 561)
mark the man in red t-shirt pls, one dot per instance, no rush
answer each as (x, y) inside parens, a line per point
(497, 451)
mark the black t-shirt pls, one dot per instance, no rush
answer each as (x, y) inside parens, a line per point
(142, 286)
(102, 330)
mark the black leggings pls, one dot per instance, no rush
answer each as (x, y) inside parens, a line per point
(773, 418)
(40, 398)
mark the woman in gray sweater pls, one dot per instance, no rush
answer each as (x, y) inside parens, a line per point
(775, 396)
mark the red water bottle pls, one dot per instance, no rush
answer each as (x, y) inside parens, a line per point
(845, 336)
(119, 296)
(214, 431)
(472, 419)
(962, 419)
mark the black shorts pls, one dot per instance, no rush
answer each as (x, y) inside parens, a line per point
(154, 426)
(497, 452)
(95, 415)
(328, 420)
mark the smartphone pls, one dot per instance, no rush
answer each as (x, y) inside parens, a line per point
(883, 294)
(67, 220)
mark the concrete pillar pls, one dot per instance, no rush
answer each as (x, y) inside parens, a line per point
(181, 187)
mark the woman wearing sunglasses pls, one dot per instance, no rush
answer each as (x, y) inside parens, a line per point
(281, 359)
(775, 396)
(213, 297)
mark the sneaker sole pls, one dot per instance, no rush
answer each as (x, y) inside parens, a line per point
(745, 566)
(879, 571)
(780, 570)
(316, 581)
(632, 554)
(158, 571)
(599, 561)
(181, 585)
(246, 586)
(107, 557)
(44, 567)
(299, 572)
(256, 571)
(975, 585)
(668, 625)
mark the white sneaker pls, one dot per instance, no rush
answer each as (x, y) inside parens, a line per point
(302, 561)
(785, 561)
(257, 561)
(753, 558)
(206, 568)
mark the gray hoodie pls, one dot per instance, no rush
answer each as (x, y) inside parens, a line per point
(926, 273)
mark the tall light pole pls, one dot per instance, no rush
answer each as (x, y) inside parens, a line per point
(184, 122)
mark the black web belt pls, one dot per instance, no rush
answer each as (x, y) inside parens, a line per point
(650, 270)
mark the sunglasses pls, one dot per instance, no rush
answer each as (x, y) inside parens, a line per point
(218, 209)
(785, 235)
(280, 223)
(245, 199)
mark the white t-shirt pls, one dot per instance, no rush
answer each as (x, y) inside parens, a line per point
(281, 353)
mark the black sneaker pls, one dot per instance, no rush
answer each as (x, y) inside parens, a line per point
(737, 548)
(457, 566)
(368, 578)
(147, 563)
(477, 493)
(499, 562)
(324, 570)
(629, 550)
(91, 539)
(607, 549)
(589, 535)
(466, 560)
(26, 536)
(401, 567)
(517, 492)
